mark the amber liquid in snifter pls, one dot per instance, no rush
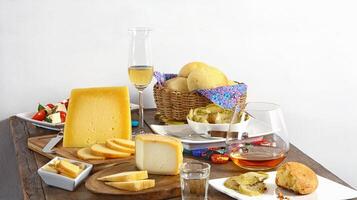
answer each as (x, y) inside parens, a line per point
(257, 157)
(258, 161)
(141, 75)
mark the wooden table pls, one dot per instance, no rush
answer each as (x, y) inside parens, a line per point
(34, 188)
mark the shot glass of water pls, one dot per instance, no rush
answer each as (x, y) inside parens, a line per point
(194, 177)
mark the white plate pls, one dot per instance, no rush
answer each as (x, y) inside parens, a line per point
(327, 189)
(27, 116)
(185, 130)
(255, 127)
(182, 130)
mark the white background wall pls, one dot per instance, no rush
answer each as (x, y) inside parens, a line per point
(300, 54)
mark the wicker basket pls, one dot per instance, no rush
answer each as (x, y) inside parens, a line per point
(175, 105)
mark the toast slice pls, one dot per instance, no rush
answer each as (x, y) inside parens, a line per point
(125, 176)
(125, 143)
(102, 150)
(86, 154)
(112, 145)
(133, 185)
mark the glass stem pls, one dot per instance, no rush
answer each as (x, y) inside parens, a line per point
(141, 110)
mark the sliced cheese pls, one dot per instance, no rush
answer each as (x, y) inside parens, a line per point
(86, 154)
(112, 145)
(97, 114)
(125, 143)
(158, 154)
(102, 150)
(126, 176)
(50, 169)
(133, 185)
(68, 169)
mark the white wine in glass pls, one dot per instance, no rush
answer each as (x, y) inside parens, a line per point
(140, 66)
(140, 75)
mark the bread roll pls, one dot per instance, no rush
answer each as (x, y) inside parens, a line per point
(296, 177)
(188, 68)
(177, 84)
(206, 78)
(230, 82)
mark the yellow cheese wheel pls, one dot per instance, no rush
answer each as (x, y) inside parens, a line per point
(206, 78)
(97, 114)
(188, 68)
(177, 84)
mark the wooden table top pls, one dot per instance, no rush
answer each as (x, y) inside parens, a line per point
(34, 188)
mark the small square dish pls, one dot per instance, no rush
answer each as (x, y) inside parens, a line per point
(54, 178)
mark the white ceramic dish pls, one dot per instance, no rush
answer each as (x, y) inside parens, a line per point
(61, 181)
(327, 189)
(204, 128)
(27, 116)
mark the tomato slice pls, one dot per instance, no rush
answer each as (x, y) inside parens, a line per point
(40, 115)
(50, 105)
(63, 116)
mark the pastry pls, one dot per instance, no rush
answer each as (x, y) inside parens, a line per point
(230, 82)
(296, 177)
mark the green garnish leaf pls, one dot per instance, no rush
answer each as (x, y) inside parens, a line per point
(40, 107)
(49, 120)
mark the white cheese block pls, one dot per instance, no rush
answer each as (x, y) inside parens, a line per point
(55, 118)
(60, 107)
(158, 154)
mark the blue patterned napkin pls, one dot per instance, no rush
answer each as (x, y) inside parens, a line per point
(225, 96)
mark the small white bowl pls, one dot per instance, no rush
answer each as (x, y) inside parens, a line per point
(61, 181)
(204, 128)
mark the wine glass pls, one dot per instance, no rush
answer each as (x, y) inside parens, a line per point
(140, 66)
(264, 142)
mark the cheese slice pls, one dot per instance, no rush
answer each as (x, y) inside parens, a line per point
(86, 154)
(97, 114)
(125, 176)
(102, 150)
(133, 185)
(112, 145)
(50, 169)
(68, 169)
(125, 143)
(158, 154)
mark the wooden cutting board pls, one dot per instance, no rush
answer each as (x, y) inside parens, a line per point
(37, 143)
(165, 186)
